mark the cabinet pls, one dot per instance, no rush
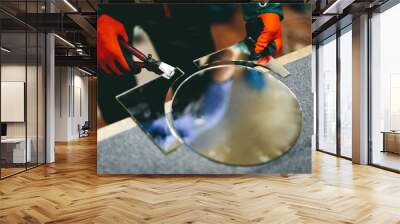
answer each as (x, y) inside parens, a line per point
(391, 142)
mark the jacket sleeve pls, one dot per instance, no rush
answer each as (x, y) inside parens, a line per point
(116, 12)
(253, 10)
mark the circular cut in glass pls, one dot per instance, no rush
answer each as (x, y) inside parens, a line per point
(236, 115)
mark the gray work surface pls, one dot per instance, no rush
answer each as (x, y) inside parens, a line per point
(132, 152)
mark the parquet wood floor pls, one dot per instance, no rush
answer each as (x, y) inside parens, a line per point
(70, 191)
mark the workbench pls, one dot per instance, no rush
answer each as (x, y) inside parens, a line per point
(123, 148)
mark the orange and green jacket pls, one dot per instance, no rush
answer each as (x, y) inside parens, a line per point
(126, 13)
(253, 10)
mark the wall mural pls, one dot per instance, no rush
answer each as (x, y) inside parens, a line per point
(204, 88)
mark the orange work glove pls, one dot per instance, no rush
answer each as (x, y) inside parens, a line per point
(265, 35)
(109, 53)
(270, 32)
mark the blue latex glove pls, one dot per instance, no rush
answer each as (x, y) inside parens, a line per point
(158, 127)
(256, 80)
(211, 109)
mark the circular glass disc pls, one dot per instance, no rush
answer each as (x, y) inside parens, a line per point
(235, 115)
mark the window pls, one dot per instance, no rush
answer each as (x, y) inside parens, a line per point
(327, 96)
(385, 89)
(346, 92)
(394, 102)
(22, 75)
(333, 137)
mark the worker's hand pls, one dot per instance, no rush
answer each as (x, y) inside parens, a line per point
(110, 56)
(266, 32)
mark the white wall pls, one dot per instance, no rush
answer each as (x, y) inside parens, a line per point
(12, 73)
(12, 101)
(71, 93)
(33, 126)
(80, 89)
(15, 73)
(61, 103)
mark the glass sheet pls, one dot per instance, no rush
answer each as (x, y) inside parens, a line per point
(232, 114)
(228, 112)
(235, 115)
(145, 104)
